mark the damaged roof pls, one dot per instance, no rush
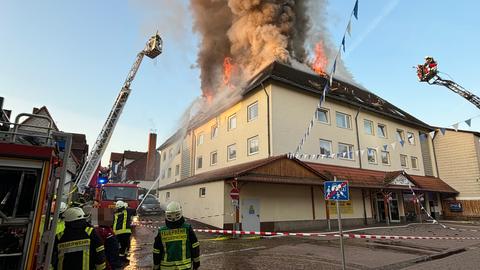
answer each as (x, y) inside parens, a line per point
(340, 91)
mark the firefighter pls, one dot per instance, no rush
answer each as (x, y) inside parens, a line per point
(176, 245)
(110, 241)
(122, 227)
(78, 247)
(61, 218)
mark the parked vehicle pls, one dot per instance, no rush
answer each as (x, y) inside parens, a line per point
(150, 206)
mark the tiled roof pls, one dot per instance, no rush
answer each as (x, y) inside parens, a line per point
(116, 157)
(134, 155)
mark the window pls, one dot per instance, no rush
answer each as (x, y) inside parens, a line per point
(167, 195)
(178, 150)
(322, 116)
(252, 111)
(343, 120)
(213, 158)
(232, 122)
(232, 152)
(325, 147)
(200, 139)
(170, 153)
(382, 131)
(202, 191)
(414, 162)
(403, 161)
(252, 145)
(164, 156)
(177, 169)
(169, 173)
(385, 158)
(199, 162)
(214, 131)
(345, 151)
(368, 127)
(400, 135)
(372, 155)
(411, 138)
(163, 174)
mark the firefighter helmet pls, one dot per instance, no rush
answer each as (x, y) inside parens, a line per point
(173, 212)
(119, 204)
(63, 207)
(74, 213)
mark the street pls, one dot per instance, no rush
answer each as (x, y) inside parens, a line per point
(277, 252)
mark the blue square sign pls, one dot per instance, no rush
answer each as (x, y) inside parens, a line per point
(336, 191)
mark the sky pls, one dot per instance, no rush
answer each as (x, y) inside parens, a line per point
(73, 57)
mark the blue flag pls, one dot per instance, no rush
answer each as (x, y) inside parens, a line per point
(443, 131)
(343, 43)
(355, 10)
(385, 147)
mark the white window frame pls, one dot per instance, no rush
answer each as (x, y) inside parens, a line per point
(388, 157)
(374, 151)
(406, 161)
(349, 155)
(413, 138)
(330, 146)
(201, 138)
(169, 172)
(229, 122)
(199, 162)
(170, 153)
(348, 120)
(327, 115)
(177, 169)
(412, 158)
(167, 195)
(372, 131)
(214, 131)
(384, 131)
(249, 141)
(228, 152)
(202, 192)
(211, 158)
(254, 104)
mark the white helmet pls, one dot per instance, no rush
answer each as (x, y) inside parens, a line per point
(63, 207)
(173, 212)
(119, 204)
(74, 213)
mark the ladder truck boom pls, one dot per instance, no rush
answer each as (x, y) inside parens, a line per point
(152, 49)
(428, 73)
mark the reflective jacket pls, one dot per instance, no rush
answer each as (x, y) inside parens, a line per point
(176, 247)
(60, 226)
(78, 247)
(122, 221)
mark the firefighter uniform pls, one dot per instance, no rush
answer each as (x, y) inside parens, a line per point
(122, 227)
(78, 247)
(176, 246)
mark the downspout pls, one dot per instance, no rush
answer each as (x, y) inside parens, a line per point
(435, 156)
(268, 119)
(194, 150)
(358, 138)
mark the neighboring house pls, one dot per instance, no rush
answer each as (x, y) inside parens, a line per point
(115, 167)
(355, 136)
(458, 158)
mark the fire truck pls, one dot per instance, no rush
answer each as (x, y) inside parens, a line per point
(107, 194)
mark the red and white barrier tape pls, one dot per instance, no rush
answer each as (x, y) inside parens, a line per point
(346, 235)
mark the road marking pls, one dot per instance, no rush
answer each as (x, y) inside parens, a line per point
(231, 251)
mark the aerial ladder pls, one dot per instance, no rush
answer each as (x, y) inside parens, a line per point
(152, 49)
(428, 73)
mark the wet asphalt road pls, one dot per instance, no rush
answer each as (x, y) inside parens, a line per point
(220, 252)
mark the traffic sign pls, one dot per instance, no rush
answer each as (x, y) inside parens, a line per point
(235, 194)
(336, 190)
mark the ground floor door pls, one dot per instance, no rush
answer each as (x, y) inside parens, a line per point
(250, 215)
(393, 204)
(380, 209)
(393, 212)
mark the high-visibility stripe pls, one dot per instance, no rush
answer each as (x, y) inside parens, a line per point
(88, 230)
(123, 231)
(196, 259)
(75, 246)
(100, 248)
(101, 266)
(177, 267)
(194, 245)
(156, 251)
(181, 262)
(123, 228)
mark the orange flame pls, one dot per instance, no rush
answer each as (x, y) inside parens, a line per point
(227, 70)
(319, 64)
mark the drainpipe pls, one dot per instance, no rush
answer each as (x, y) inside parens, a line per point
(268, 119)
(358, 139)
(434, 157)
(194, 151)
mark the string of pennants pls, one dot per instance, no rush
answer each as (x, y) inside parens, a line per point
(348, 31)
(384, 147)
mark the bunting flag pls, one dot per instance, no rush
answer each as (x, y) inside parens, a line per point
(355, 10)
(349, 27)
(334, 66)
(402, 142)
(443, 130)
(361, 152)
(469, 122)
(432, 134)
(343, 43)
(455, 126)
(385, 147)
